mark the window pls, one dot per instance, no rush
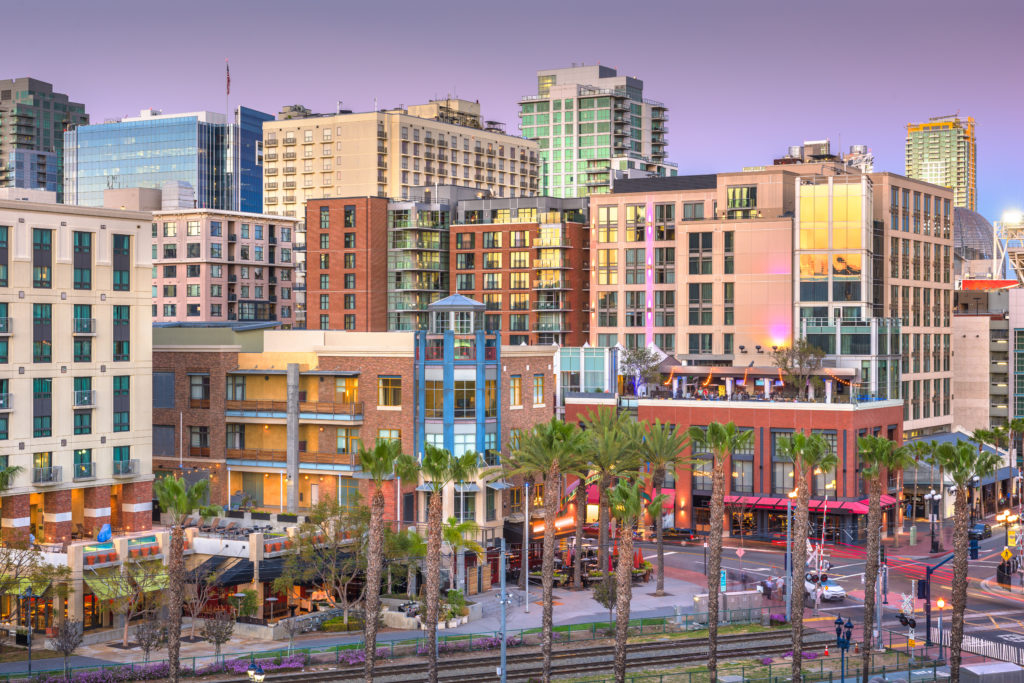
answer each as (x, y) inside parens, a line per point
(83, 422)
(664, 266)
(700, 303)
(635, 221)
(350, 281)
(42, 396)
(170, 229)
(700, 343)
(350, 261)
(635, 266)
(693, 211)
(199, 441)
(42, 256)
(42, 333)
(389, 435)
(350, 240)
(607, 266)
(199, 391)
(515, 386)
(465, 398)
(538, 390)
(635, 308)
(83, 260)
(607, 309)
(730, 257)
(83, 349)
(700, 253)
(350, 216)
(464, 240)
(492, 259)
(608, 224)
(195, 271)
(742, 476)
(492, 280)
(349, 321)
(664, 309)
(348, 440)
(325, 281)
(389, 391)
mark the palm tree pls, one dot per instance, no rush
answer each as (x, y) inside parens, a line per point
(582, 473)
(878, 455)
(380, 464)
(408, 548)
(660, 448)
(546, 452)
(721, 440)
(963, 462)
(459, 536)
(920, 451)
(178, 500)
(611, 453)
(627, 506)
(8, 474)
(439, 468)
(809, 455)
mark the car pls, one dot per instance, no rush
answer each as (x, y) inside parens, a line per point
(831, 590)
(680, 534)
(980, 531)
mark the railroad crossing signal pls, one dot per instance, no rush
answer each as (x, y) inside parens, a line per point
(1006, 554)
(739, 552)
(911, 642)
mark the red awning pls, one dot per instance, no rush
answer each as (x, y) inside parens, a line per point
(886, 501)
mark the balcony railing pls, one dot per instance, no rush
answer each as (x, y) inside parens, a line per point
(85, 399)
(5, 325)
(305, 457)
(126, 468)
(5, 401)
(85, 325)
(353, 409)
(46, 475)
(85, 470)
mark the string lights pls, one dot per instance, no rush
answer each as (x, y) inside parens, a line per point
(842, 381)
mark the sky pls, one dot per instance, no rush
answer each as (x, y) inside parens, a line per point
(743, 79)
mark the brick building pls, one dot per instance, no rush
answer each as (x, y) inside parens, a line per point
(528, 260)
(759, 480)
(220, 408)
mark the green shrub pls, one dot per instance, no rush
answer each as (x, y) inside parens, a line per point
(338, 624)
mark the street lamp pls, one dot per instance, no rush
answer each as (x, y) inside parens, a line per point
(843, 633)
(789, 554)
(940, 603)
(28, 594)
(972, 484)
(1007, 519)
(256, 674)
(933, 498)
(273, 601)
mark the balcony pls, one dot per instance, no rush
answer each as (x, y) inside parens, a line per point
(305, 457)
(5, 325)
(126, 468)
(550, 284)
(232, 278)
(233, 237)
(550, 306)
(550, 242)
(270, 171)
(287, 156)
(307, 410)
(382, 134)
(85, 470)
(541, 264)
(232, 297)
(46, 476)
(85, 399)
(548, 327)
(85, 325)
(270, 143)
(5, 402)
(289, 141)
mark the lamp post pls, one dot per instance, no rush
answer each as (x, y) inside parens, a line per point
(273, 601)
(1007, 519)
(940, 603)
(789, 554)
(526, 547)
(256, 674)
(30, 596)
(972, 484)
(843, 633)
(933, 499)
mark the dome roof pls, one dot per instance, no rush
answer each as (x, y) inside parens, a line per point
(972, 235)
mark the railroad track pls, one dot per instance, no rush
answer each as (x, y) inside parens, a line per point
(523, 666)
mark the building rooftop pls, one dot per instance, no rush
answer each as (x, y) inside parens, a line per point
(707, 181)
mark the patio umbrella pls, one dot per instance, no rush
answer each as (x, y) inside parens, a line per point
(636, 559)
(640, 552)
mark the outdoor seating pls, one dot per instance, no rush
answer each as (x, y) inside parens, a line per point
(211, 526)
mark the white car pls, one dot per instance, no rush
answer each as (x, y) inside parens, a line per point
(831, 591)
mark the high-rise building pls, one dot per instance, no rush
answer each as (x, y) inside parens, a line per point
(220, 162)
(388, 153)
(858, 264)
(75, 395)
(33, 119)
(219, 266)
(944, 151)
(594, 127)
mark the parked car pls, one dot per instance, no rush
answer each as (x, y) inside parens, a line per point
(683, 535)
(980, 531)
(831, 591)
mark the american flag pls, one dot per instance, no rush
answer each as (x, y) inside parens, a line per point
(227, 67)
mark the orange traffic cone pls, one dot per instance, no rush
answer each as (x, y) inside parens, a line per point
(826, 649)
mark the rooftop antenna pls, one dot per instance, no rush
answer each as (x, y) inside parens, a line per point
(375, 105)
(339, 106)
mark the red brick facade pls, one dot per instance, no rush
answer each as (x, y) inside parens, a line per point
(57, 516)
(136, 501)
(97, 509)
(364, 244)
(15, 515)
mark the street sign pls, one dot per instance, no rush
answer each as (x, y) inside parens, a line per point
(722, 580)
(705, 544)
(1006, 554)
(739, 552)
(911, 642)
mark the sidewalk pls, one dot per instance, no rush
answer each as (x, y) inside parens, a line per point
(570, 607)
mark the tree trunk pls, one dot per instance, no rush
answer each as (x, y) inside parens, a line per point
(374, 567)
(959, 594)
(176, 575)
(581, 512)
(658, 480)
(717, 513)
(548, 568)
(603, 537)
(796, 597)
(623, 593)
(871, 570)
(433, 582)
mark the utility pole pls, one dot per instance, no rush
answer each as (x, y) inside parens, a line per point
(504, 604)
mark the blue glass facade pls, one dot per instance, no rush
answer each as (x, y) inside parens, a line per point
(250, 149)
(35, 170)
(148, 152)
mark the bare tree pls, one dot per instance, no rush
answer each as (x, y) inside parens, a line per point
(640, 363)
(218, 629)
(134, 590)
(292, 627)
(66, 639)
(150, 634)
(197, 594)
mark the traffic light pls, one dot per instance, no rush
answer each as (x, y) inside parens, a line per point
(974, 548)
(923, 589)
(881, 551)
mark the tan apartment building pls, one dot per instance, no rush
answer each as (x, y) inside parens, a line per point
(386, 153)
(773, 254)
(76, 386)
(219, 266)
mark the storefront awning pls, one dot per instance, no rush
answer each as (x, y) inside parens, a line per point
(425, 487)
(817, 505)
(593, 492)
(15, 585)
(467, 488)
(109, 584)
(499, 485)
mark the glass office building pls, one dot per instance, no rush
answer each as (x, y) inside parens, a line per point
(220, 162)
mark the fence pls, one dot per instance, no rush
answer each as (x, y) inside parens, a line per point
(1004, 652)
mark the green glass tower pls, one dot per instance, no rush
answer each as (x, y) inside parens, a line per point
(593, 127)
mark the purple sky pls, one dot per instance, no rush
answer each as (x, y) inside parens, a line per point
(742, 79)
